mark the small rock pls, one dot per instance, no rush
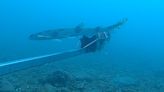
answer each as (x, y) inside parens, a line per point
(81, 83)
(58, 79)
(6, 86)
(49, 88)
(124, 81)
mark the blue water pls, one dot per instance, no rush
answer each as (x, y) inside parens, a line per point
(138, 45)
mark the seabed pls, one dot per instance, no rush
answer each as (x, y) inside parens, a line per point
(72, 75)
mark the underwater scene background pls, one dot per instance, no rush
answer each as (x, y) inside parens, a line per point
(132, 61)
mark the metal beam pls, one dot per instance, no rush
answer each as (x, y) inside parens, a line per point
(13, 66)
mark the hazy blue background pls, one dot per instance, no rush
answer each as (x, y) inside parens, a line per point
(139, 42)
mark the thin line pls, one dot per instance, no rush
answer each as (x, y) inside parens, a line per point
(90, 43)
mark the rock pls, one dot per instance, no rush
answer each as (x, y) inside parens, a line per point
(6, 86)
(58, 79)
(123, 81)
(81, 83)
(49, 88)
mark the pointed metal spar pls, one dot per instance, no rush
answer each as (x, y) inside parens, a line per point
(17, 65)
(79, 30)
